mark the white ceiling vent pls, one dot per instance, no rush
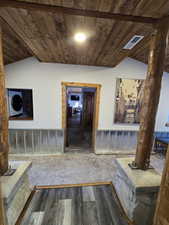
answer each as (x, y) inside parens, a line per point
(135, 39)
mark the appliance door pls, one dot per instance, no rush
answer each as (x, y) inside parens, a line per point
(15, 102)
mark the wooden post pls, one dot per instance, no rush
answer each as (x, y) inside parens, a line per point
(3, 117)
(162, 209)
(151, 95)
(2, 212)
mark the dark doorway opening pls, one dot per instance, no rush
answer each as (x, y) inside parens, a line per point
(80, 116)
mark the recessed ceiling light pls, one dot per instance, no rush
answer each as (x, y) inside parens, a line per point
(80, 37)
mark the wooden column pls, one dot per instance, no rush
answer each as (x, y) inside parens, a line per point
(151, 95)
(162, 209)
(2, 212)
(3, 117)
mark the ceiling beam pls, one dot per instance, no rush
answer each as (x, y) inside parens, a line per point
(77, 12)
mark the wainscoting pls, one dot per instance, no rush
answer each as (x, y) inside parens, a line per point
(41, 141)
(112, 141)
(25, 141)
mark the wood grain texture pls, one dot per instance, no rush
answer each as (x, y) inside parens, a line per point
(49, 36)
(71, 185)
(77, 12)
(151, 96)
(4, 146)
(161, 214)
(96, 106)
(2, 212)
(69, 206)
(13, 48)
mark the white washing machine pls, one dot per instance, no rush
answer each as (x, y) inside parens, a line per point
(15, 103)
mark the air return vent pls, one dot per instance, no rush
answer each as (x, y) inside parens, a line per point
(135, 39)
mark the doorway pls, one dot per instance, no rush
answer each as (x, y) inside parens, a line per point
(80, 106)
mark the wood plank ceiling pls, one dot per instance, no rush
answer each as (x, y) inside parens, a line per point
(49, 37)
(13, 48)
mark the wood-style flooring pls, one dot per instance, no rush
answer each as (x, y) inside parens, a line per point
(91, 205)
(79, 138)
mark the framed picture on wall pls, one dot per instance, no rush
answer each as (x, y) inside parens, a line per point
(129, 95)
(20, 104)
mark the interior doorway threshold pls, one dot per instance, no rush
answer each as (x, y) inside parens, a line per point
(78, 150)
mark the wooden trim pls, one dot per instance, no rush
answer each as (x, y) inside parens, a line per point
(64, 107)
(19, 220)
(71, 185)
(123, 213)
(64, 113)
(96, 117)
(78, 12)
(96, 107)
(76, 84)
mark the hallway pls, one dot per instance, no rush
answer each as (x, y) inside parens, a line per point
(79, 138)
(80, 115)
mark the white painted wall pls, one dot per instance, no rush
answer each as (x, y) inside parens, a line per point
(45, 80)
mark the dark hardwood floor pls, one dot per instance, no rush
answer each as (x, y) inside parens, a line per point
(92, 205)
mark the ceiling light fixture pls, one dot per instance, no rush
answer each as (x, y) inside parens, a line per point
(133, 41)
(80, 37)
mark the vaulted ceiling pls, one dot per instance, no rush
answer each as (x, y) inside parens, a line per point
(49, 36)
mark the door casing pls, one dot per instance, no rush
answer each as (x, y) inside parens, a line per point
(96, 107)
